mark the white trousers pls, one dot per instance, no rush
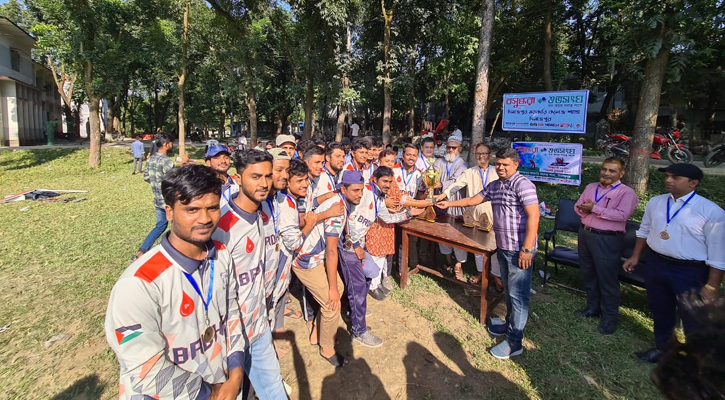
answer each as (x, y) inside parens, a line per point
(382, 263)
(462, 256)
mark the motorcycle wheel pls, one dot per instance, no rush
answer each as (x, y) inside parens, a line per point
(679, 156)
(714, 158)
(608, 151)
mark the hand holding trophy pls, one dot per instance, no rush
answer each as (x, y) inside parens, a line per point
(431, 178)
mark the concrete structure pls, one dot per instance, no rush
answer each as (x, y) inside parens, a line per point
(28, 95)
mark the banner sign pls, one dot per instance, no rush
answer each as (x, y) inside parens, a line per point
(550, 162)
(556, 112)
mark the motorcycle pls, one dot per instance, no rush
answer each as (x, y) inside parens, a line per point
(664, 144)
(715, 157)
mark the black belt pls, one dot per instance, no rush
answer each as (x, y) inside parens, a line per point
(601, 232)
(677, 261)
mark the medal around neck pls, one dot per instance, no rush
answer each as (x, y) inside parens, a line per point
(208, 335)
(664, 235)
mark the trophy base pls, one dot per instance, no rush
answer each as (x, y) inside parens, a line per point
(468, 225)
(428, 215)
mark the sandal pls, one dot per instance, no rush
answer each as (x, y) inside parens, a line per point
(336, 360)
(292, 314)
(475, 279)
(458, 272)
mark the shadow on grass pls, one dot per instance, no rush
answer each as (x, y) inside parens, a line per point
(87, 388)
(354, 381)
(35, 158)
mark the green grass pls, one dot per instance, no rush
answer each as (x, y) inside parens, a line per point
(59, 261)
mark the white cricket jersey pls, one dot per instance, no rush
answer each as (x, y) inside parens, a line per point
(282, 276)
(243, 233)
(366, 172)
(228, 189)
(312, 251)
(408, 183)
(362, 215)
(270, 219)
(155, 321)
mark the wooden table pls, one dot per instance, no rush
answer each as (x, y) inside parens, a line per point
(451, 232)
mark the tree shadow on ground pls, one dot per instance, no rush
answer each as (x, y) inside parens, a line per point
(356, 380)
(87, 388)
(430, 378)
(35, 158)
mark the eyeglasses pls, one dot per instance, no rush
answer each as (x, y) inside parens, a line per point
(482, 154)
(452, 147)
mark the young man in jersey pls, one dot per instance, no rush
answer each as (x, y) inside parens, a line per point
(241, 229)
(334, 163)
(315, 263)
(427, 147)
(173, 317)
(314, 157)
(360, 148)
(374, 152)
(218, 159)
(287, 143)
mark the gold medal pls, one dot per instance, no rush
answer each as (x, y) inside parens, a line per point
(276, 247)
(208, 334)
(348, 242)
(664, 235)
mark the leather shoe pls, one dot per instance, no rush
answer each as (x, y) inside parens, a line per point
(587, 313)
(651, 356)
(607, 327)
(377, 294)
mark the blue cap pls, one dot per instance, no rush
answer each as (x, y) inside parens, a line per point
(351, 178)
(216, 149)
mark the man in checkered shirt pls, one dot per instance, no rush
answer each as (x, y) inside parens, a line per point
(515, 224)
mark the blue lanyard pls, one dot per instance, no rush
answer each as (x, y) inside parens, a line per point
(424, 161)
(448, 168)
(375, 200)
(596, 193)
(324, 167)
(274, 219)
(669, 219)
(483, 180)
(196, 287)
(410, 176)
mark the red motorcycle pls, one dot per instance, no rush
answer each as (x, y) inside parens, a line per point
(664, 144)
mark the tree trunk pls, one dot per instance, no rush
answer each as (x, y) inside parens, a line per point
(252, 107)
(342, 109)
(94, 156)
(646, 121)
(309, 103)
(481, 94)
(180, 114)
(387, 106)
(611, 91)
(411, 114)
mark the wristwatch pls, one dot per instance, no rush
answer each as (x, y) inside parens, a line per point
(525, 250)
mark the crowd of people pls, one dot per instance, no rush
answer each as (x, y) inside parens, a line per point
(194, 316)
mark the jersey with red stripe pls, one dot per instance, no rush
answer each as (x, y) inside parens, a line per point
(270, 219)
(156, 318)
(243, 234)
(367, 172)
(409, 183)
(363, 214)
(228, 189)
(312, 252)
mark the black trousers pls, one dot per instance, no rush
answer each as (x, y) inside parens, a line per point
(600, 258)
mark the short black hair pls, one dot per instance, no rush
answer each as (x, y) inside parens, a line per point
(377, 141)
(334, 146)
(411, 146)
(387, 152)
(313, 151)
(162, 139)
(188, 182)
(305, 145)
(244, 158)
(320, 142)
(298, 167)
(426, 140)
(361, 143)
(508, 153)
(382, 171)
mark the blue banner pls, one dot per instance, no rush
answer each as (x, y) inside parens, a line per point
(555, 112)
(550, 162)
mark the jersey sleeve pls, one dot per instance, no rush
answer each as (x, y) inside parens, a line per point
(289, 226)
(389, 218)
(335, 225)
(133, 330)
(236, 339)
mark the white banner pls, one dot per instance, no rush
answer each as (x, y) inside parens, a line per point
(556, 112)
(551, 162)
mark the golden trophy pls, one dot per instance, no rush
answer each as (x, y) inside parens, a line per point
(431, 177)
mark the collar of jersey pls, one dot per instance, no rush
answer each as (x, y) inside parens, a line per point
(249, 217)
(187, 264)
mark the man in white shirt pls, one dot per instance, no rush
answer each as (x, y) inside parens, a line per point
(685, 233)
(427, 147)
(355, 128)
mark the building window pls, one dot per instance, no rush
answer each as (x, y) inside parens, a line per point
(15, 60)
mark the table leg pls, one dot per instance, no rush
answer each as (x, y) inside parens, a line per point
(484, 287)
(404, 260)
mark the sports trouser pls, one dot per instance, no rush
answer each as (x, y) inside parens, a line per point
(357, 274)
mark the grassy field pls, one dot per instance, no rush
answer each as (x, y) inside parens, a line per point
(58, 262)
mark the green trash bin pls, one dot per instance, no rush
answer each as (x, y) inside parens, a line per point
(50, 132)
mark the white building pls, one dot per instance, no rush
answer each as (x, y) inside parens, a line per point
(28, 95)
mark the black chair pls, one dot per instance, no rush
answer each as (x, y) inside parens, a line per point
(636, 277)
(566, 220)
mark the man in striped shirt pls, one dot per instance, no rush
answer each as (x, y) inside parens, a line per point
(515, 224)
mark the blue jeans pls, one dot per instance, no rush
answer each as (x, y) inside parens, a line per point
(517, 289)
(262, 368)
(158, 230)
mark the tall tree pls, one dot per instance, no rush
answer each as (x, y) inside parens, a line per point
(182, 80)
(481, 93)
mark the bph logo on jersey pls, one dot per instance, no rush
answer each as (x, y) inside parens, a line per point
(184, 354)
(187, 305)
(246, 277)
(364, 221)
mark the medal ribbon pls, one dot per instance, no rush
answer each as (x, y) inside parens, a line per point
(424, 161)
(597, 198)
(448, 167)
(669, 219)
(483, 180)
(275, 218)
(324, 168)
(196, 287)
(407, 181)
(375, 201)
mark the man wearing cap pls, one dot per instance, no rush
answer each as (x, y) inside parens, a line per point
(604, 208)
(685, 233)
(451, 167)
(287, 143)
(218, 159)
